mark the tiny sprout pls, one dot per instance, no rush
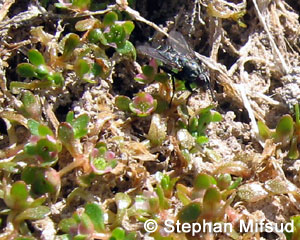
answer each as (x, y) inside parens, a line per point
(143, 104)
(102, 161)
(37, 69)
(42, 180)
(84, 223)
(22, 206)
(42, 146)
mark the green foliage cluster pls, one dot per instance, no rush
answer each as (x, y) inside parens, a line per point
(287, 133)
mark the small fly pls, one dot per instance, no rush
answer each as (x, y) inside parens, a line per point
(179, 55)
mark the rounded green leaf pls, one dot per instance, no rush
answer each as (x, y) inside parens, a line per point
(204, 181)
(71, 43)
(118, 233)
(148, 71)
(128, 27)
(122, 103)
(116, 35)
(96, 215)
(189, 213)
(285, 127)
(42, 71)
(127, 49)
(26, 70)
(35, 57)
(95, 35)
(81, 67)
(65, 224)
(65, 133)
(19, 191)
(264, 131)
(33, 213)
(33, 127)
(110, 18)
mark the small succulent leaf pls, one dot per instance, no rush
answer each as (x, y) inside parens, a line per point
(19, 192)
(42, 71)
(31, 106)
(116, 35)
(189, 213)
(127, 49)
(70, 117)
(26, 70)
(35, 57)
(285, 127)
(264, 131)
(33, 213)
(148, 71)
(202, 140)
(96, 215)
(71, 43)
(224, 181)
(216, 117)
(128, 27)
(67, 223)
(110, 18)
(65, 133)
(212, 198)
(96, 35)
(122, 103)
(118, 233)
(236, 183)
(44, 131)
(204, 181)
(33, 127)
(294, 152)
(80, 125)
(57, 79)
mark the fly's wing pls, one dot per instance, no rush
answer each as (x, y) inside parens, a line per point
(157, 54)
(179, 44)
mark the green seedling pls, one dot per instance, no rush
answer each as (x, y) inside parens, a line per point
(43, 146)
(72, 130)
(42, 180)
(31, 107)
(142, 105)
(287, 133)
(102, 161)
(83, 224)
(196, 125)
(37, 68)
(22, 207)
